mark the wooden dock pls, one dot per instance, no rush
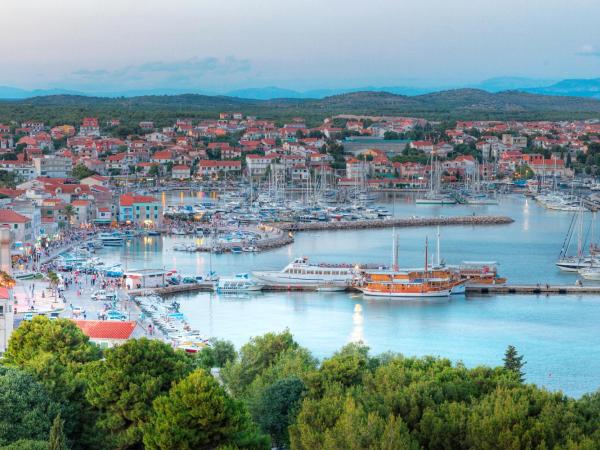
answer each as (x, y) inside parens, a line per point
(535, 289)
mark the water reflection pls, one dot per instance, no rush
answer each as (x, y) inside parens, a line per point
(358, 321)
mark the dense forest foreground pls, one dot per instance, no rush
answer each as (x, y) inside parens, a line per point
(59, 391)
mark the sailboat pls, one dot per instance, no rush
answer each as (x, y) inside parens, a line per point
(434, 195)
(579, 261)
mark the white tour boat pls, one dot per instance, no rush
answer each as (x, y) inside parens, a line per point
(301, 273)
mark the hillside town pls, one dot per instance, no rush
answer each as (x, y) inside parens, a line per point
(83, 175)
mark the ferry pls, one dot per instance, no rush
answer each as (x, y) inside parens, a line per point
(111, 239)
(301, 273)
(239, 283)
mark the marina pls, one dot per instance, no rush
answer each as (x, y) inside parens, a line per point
(475, 327)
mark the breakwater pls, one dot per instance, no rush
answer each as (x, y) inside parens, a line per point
(394, 222)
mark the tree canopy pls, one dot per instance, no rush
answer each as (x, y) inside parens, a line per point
(124, 384)
(27, 410)
(198, 414)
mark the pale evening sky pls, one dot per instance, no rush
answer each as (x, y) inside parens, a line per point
(303, 44)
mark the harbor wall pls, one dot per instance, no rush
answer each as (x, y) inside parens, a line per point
(394, 222)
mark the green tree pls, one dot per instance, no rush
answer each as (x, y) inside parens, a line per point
(55, 351)
(198, 414)
(125, 383)
(514, 362)
(60, 338)
(254, 358)
(26, 444)
(219, 353)
(80, 171)
(390, 135)
(522, 417)
(69, 212)
(27, 409)
(8, 179)
(276, 408)
(154, 171)
(57, 440)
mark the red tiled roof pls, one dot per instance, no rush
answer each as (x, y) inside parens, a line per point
(8, 216)
(106, 329)
(11, 192)
(130, 199)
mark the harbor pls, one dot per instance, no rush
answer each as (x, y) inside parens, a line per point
(537, 301)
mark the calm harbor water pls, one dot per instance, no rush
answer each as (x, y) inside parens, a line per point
(559, 335)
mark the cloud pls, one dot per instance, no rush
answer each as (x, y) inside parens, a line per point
(181, 73)
(589, 50)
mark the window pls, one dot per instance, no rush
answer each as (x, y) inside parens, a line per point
(15, 226)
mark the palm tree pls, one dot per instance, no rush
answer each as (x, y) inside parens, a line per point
(69, 213)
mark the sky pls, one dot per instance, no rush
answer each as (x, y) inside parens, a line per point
(218, 46)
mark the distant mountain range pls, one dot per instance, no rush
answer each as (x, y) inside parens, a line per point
(449, 104)
(572, 87)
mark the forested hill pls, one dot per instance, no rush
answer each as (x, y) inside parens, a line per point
(453, 104)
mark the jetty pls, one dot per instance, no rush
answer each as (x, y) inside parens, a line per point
(508, 289)
(394, 222)
(545, 289)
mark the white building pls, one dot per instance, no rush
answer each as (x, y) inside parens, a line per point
(145, 278)
(53, 166)
(258, 164)
(7, 317)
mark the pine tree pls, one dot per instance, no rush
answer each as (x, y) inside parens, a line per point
(514, 362)
(56, 440)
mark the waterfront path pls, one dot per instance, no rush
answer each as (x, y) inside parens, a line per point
(394, 222)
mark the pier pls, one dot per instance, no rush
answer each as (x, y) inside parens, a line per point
(507, 289)
(394, 222)
(547, 289)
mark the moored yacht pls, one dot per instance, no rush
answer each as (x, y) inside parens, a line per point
(239, 283)
(301, 273)
(111, 239)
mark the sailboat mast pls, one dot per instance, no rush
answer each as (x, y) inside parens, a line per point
(438, 247)
(394, 251)
(426, 262)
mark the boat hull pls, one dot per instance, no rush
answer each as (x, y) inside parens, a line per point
(279, 279)
(407, 295)
(426, 201)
